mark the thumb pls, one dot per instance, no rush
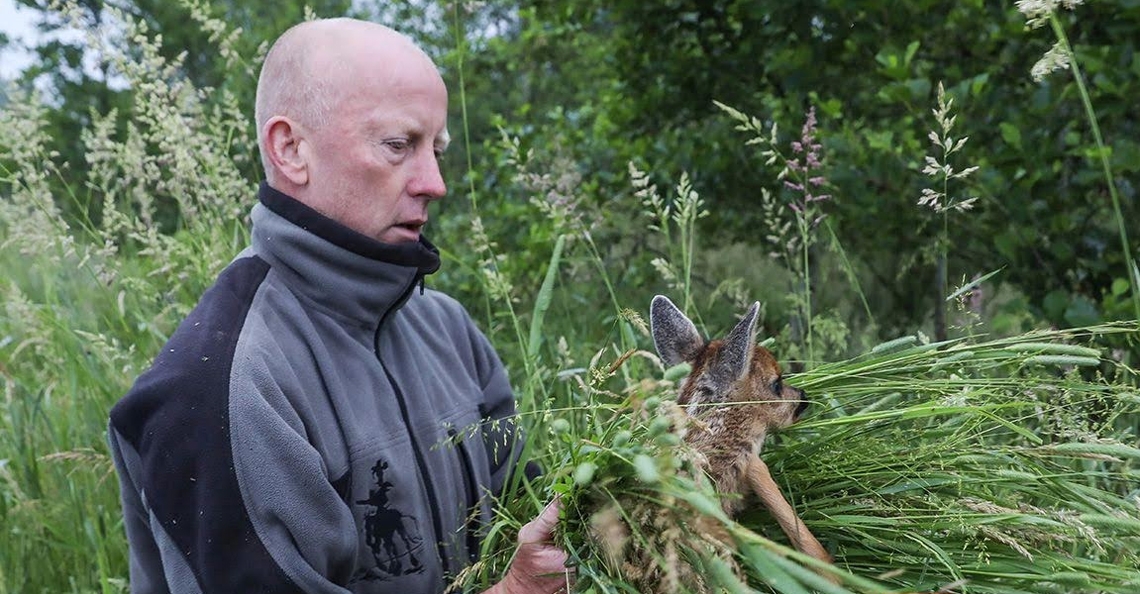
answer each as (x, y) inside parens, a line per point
(541, 529)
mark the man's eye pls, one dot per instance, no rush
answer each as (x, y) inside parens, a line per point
(397, 144)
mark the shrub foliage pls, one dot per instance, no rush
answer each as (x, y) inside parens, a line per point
(998, 454)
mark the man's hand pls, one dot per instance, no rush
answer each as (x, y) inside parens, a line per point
(539, 566)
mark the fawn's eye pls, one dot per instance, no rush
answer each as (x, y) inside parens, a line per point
(778, 385)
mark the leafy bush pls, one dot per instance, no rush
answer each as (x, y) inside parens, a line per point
(983, 462)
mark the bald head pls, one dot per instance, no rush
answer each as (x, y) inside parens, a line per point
(314, 64)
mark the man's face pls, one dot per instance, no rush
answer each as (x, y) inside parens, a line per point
(375, 166)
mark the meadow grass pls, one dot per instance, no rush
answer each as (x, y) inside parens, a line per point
(1004, 464)
(89, 297)
(976, 464)
(1060, 57)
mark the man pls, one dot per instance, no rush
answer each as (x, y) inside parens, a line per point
(321, 422)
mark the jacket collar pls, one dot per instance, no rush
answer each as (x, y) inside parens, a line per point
(333, 267)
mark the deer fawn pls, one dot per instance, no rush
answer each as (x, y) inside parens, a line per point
(736, 392)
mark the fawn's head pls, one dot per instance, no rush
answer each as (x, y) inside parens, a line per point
(732, 370)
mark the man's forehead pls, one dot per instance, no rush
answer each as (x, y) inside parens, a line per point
(388, 124)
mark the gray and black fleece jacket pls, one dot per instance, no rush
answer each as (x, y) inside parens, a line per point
(319, 423)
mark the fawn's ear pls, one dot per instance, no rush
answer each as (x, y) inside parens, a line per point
(674, 335)
(735, 356)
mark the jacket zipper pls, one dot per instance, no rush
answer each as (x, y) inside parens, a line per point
(433, 503)
(474, 520)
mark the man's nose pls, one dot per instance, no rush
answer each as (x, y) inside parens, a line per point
(428, 181)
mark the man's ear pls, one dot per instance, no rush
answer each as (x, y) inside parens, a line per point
(286, 149)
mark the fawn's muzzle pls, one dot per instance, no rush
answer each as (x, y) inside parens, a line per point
(802, 406)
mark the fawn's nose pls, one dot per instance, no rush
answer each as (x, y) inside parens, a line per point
(802, 406)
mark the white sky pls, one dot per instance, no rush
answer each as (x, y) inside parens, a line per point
(18, 23)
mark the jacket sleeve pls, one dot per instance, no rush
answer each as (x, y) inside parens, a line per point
(222, 492)
(146, 572)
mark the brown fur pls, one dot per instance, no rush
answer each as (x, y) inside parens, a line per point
(736, 394)
(732, 397)
(735, 391)
(733, 428)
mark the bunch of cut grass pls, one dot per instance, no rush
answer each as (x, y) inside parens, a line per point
(1002, 466)
(994, 466)
(643, 509)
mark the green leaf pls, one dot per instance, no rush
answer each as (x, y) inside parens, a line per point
(584, 473)
(1010, 134)
(970, 285)
(771, 573)
(1082, 312)
(677, 371)
(911, 50)
(646, 468)
(542, 302)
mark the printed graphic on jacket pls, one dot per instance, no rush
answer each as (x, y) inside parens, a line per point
(393, 536)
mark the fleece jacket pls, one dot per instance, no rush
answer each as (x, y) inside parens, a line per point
(319, 423)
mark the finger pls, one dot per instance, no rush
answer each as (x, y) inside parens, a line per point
(541, 529)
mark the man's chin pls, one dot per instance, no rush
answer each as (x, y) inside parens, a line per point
(398, 235)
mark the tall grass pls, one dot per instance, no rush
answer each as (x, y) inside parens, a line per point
(88, 299)
(968, 465)
(986, 464)
(1062, 56)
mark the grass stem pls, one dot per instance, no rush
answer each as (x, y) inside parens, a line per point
(1103, 155)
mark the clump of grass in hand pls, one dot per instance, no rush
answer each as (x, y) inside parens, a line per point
(641, 512)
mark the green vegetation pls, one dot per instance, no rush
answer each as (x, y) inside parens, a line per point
(994, 451)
